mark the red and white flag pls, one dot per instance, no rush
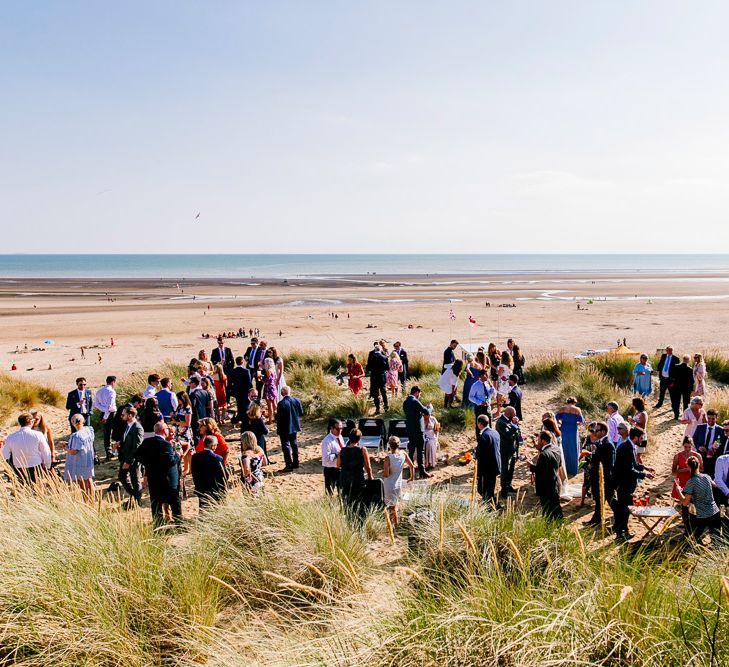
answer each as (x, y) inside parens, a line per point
(471, 320)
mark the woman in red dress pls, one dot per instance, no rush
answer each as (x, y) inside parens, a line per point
(355, 373)
(680, 469)
(220, 381)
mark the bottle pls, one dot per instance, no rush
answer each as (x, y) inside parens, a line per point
(646, 499)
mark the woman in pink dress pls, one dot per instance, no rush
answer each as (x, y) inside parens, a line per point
(693, 415)
(392, 379)
(699, 375)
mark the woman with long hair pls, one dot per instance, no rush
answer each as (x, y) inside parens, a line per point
(355, 373)
(149, 416)
(278, 364)
(699, 375)
(392, 376)
(569, 418)
(253, 422)
(252, 461)
(40, 424)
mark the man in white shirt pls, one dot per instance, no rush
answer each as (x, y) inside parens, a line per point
(105, 403)
(613, 420)
(330, 448)
(28, 450)
(152, 386)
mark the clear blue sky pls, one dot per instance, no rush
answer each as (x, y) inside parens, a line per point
(364, 126)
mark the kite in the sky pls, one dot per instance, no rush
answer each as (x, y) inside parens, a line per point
(197, 216)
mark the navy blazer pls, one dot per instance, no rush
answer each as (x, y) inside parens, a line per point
(72, 402)
(239, 381)
(488, 452)
(700, 437)
(208, 473)
(626, 471)
(604, 454)
(227, 361)
(160, 464)
(288, 415)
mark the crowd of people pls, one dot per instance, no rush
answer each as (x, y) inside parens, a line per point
(161, 436)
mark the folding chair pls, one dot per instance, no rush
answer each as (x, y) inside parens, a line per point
(397, 427)
(373, 433)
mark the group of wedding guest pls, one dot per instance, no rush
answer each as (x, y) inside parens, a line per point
(675, 375)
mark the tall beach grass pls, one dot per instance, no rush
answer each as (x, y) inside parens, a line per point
(17, 393)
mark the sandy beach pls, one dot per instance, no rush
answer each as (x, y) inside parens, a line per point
(155, 320)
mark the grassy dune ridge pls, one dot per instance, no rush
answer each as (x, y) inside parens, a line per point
(19, 394)
(277, 581)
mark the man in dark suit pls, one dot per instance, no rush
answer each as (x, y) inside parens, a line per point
(546, 476)
(507, 426)
(160, 462)
(377, 367)
(222, 355)
(119, 426)
(681, 387)
(208, 474)
(402, 353)
(239, 382)
(602, 457)
(414, 412)
(79, 401)
(488, 459)
(129, 441)
(288, 425)
(449, 355)
(251, 355)
(665, 373)
(709, 441)
(626, 473)
(515, 395)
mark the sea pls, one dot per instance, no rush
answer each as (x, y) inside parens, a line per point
(242, 267)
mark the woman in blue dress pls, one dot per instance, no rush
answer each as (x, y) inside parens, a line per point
(79, 466)
(642, 376)
(569, 417)
(473, 368)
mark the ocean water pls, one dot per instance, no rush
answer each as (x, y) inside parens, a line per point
(247, 267)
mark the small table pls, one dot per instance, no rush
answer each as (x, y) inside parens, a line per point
(660, 514)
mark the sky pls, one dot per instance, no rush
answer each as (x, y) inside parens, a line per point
(409, 126)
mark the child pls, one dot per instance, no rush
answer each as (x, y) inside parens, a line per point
(392, 472)
(432, 429)
(252, 461)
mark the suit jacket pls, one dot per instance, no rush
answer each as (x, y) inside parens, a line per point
(626, 471)
(405, 362)
(488, 453)
(508, 435)
(72, 402)
(674, 362)
(239, 381)
(208, 473)
(227, 361)
(683, 376)
(515, 396)
(376, 366)
(288, 415)
(256, 357)
(449, 357)
(414, 411)
(700, 438)
(604, 454)
(160, 465)
(546, 477)
(128, 445)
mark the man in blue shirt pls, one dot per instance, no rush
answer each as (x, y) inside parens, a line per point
(480, 396)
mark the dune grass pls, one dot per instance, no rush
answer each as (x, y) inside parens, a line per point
(717, 366)
(282, 581)
(617, 369)
(592, 389)
(19, 394)
(548, 368)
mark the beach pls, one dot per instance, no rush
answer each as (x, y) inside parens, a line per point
(153, 320)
